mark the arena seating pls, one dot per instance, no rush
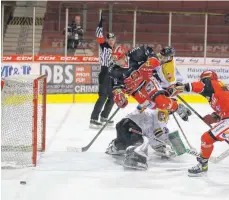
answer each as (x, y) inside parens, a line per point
(152, 28)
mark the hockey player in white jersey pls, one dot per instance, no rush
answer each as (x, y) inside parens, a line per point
(136, 132)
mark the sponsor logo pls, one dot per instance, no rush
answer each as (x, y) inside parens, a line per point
(215, 61)
(7, 58)
(24, 58)
(60, 78)
(17, 58)
(83, 75)
(219, 128)
(90, 59)
(62, 58)
(194, 60)
(180, 60)
(150, 87)
(14, 69)
(46, 58)
(86, 88)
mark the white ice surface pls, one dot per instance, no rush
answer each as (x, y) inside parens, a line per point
(62, 175)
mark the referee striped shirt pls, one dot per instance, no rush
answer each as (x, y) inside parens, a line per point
(105, 49)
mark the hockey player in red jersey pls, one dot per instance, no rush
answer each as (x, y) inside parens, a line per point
(137, 80)
(217, 94)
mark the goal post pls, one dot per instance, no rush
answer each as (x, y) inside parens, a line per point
(23, 128)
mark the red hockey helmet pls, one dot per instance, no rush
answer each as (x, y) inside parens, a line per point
(209, 74)
(119, 52)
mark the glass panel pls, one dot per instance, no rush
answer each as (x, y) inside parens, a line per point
(52, 41)
(152, 29)
(89, 43)
(18, 19)
(75, 29)
(39, 24)
(188, 34)
(218, 36)
(122, 24)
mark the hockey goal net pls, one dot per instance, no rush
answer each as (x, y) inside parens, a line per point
(23, 120)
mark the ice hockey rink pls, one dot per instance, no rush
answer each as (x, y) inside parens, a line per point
(64, 175)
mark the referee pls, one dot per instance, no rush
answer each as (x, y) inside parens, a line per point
(105, 85)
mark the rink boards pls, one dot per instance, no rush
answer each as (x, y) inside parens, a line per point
(91, 98)
(77, 82)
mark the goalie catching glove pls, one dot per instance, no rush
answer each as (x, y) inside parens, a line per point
(119, 98)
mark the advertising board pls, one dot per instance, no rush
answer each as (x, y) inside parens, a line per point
(13, 69)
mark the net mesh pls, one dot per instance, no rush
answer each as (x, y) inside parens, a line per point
(18, 119)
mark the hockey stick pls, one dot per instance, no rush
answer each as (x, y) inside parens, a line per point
(186, 139)
(83, 149)
(192, 109)
(179, 148)
(212, 159)
(198, 115)
(191, 151)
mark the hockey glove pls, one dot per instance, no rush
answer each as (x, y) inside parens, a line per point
(183, 112)
(119, 98)
(175, 89)
(211, 118)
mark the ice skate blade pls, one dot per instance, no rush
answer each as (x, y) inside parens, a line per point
(202, 174)
(115, 154)
(93, 126)
(163, 156)
(108, 125)
(127, 167)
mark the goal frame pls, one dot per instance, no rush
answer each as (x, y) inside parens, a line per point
(35, 103)
(35, 117)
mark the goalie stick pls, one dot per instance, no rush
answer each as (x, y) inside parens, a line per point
(83, 149)
(180, 148)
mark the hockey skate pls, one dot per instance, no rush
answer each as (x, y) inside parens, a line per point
(95, 124)
(135, 160)
(114, 149)
(165, 151)
(104, 120)
(200, 169)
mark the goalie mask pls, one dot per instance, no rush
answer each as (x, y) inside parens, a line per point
(163, 115)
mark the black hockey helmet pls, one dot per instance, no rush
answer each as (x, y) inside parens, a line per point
(168, 51)
(110, 36)
(166, 54)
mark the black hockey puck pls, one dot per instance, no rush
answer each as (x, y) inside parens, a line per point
(23, 182)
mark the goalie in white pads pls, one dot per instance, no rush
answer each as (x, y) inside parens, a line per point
(136, 132)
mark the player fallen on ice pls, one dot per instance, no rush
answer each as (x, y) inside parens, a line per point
(217, 94)
(136, 132)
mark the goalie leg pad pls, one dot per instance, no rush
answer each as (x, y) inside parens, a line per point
(134, 160)
(136, 156)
